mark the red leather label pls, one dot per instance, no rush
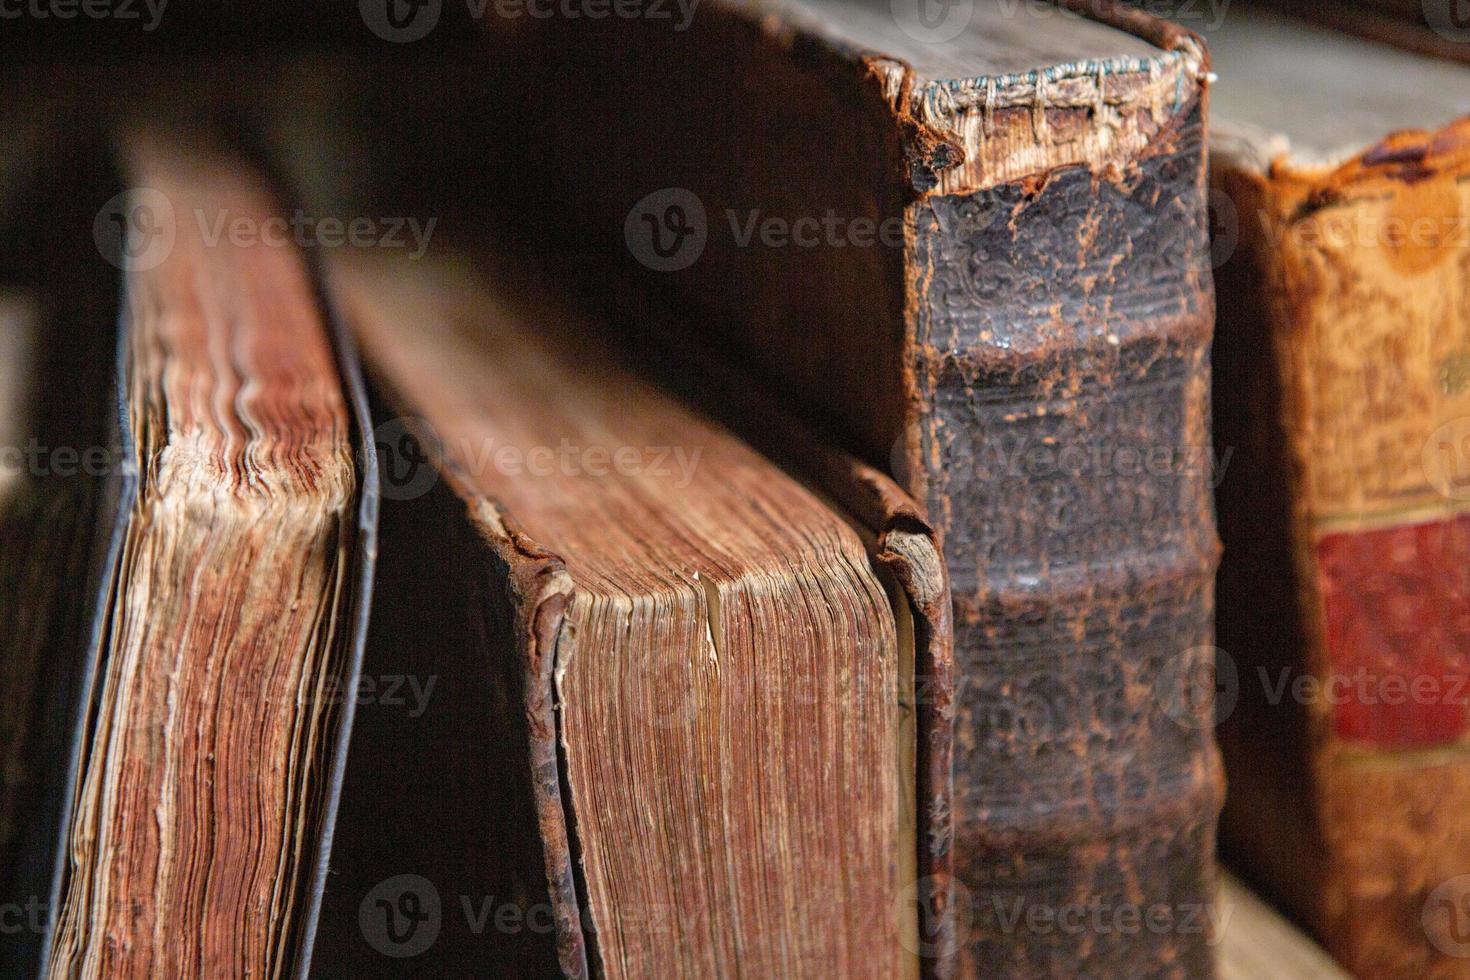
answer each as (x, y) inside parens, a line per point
(1397, 609)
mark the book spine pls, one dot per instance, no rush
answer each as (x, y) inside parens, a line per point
(1360, 272)
(1061, 328)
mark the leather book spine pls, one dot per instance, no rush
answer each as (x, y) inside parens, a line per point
(1050, 295)
(1355, 325)
(1061, 323)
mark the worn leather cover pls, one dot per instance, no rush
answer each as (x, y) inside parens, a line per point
(1029, 362)
(1344, 368)
(1082, 571)
(1061, 328)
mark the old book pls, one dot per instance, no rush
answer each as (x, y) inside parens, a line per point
(678, 683)
(973, 251)
(209, 742)
(1342, 369)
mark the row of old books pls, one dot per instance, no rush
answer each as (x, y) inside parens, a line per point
(735, 493)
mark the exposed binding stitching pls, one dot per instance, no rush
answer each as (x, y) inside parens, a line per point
(944, 101)
(1079, 85)
(1071, 86)
(1193, 57)
(1157, 108)
(1038, 110)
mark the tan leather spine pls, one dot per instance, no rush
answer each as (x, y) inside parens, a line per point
(1365, 273)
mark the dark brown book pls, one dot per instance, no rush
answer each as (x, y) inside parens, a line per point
(1343, 371)
(678, 683)
(972, 250)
